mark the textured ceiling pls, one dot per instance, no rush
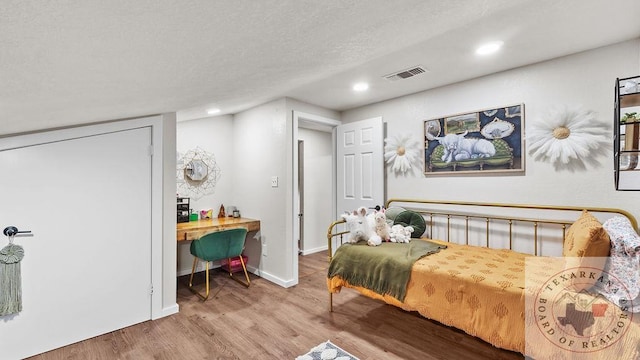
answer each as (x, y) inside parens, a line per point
(72, 62)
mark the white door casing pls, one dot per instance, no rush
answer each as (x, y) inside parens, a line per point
(315, 122)
(301, 219)
(319, 194)
(87, 265)
(360, 165)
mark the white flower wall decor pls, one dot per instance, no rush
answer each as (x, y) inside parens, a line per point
(566, 135)
(401, 152)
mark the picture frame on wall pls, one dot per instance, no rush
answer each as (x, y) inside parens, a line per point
(482, 142)
(460, 123)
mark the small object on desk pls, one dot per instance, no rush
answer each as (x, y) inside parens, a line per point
(193, 217)
(221, 213)
(206, 214)
(183, 210)
(236, 213)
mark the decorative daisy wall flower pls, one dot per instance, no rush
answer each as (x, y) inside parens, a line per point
(572, 133)
(401, 152)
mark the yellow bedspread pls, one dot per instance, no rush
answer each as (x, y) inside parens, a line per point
(475, 289)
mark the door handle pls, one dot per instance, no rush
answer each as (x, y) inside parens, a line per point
(12, 231)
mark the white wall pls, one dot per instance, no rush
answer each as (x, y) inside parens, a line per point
(167, 135)
(585, 79)
(250, 147)
(260, 151)
(318, 150)
(295, 106)
(263, 140)
(214, 135)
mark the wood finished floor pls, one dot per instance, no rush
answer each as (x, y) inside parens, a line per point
(267, 321)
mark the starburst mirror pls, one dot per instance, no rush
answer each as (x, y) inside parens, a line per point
(197, 173)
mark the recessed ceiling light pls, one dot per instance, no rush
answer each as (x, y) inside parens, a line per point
(489, 48)
(360, 86)
(213, 111)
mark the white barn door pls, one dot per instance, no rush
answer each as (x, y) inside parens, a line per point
(87, 266)
(360, 165)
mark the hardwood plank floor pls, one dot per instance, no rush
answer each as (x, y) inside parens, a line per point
(267, 321)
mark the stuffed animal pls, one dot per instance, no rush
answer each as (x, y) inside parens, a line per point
(360, 228)
(356, 226)
(401, 234)
(378, 220)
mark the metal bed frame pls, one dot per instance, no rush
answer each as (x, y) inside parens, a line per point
(434, 216)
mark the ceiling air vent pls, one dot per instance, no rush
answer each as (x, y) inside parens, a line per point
(407, 73)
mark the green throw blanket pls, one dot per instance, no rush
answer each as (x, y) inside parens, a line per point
(384, 269)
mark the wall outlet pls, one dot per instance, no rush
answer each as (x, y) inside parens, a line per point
(274, 181)
(264, 250)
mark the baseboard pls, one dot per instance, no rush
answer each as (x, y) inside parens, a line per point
(276, 280)
(170, 310)
(251, 269)
(199, 268)
(314, 250)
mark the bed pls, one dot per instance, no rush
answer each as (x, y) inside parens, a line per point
(489, 276)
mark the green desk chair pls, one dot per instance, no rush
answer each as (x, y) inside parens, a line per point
(220, 245)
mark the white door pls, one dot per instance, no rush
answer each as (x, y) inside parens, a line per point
(87, 266)
(360, 165)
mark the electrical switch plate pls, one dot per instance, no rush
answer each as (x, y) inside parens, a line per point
(274, 181)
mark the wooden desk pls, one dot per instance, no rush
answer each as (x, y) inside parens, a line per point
(193, 230)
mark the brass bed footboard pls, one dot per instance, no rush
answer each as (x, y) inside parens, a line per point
(531, 229)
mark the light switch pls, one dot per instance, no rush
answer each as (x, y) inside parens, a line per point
(274, 181)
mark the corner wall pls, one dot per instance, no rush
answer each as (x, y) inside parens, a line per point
(168, 160)
(585, 79)
(251, 147)
(260, 138)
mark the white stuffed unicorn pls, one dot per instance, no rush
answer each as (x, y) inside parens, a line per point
(360, 227)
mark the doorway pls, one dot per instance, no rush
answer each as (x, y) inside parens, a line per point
(315, 177)
(314, 184)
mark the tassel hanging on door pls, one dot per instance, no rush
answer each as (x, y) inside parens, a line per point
(10, 280)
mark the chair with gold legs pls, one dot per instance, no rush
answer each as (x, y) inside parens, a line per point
(220, 245)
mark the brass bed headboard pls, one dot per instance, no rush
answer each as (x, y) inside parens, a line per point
(531, 221)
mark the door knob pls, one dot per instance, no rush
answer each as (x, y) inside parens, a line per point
(12, 231)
